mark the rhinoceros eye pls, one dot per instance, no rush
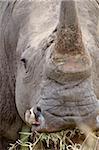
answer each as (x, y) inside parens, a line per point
(24, 61)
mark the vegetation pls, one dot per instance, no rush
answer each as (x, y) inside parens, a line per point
(64, 140)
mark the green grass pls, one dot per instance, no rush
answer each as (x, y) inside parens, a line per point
(65, 140)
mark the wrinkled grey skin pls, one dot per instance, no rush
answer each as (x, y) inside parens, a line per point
(66, 95)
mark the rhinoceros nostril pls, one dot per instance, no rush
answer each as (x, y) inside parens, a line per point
(39, 109)
(37, 112)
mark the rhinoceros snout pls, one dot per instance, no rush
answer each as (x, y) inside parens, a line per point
(34, 117)
(52, 120)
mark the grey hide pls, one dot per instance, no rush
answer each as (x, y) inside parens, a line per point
(49, 58)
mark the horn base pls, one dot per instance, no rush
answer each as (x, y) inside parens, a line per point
(63, 68)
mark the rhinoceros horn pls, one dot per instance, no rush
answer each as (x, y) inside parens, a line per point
(69, 47)
(69, 38)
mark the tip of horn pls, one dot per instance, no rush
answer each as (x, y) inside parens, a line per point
(69, 37)
(68, 13)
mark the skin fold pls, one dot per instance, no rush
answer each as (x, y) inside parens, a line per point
(48, 66)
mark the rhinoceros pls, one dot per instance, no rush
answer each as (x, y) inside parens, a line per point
(49, 58)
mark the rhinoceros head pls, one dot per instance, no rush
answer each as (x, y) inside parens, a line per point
(54, 87)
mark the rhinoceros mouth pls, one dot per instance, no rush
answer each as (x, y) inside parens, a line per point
(53, 122)
(67, 122)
